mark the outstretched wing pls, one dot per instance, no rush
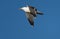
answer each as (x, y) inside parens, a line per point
(40, 13)
(30, 18)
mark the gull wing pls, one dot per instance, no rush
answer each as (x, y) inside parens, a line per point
(40, 13)
(30, 18)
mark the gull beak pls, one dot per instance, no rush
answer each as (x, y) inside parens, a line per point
(20, 8)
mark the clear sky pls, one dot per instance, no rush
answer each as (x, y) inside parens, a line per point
(14, 24)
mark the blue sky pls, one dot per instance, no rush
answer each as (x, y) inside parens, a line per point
(14, 24)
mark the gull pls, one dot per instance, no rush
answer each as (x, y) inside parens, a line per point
(31, 13)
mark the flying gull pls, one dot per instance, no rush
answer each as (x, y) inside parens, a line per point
(31, 13)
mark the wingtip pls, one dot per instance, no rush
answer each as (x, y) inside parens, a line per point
(32, 26)
(40, 13)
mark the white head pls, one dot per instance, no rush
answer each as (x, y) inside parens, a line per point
(26, 9)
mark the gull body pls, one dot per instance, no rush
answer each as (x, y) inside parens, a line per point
(31, 13)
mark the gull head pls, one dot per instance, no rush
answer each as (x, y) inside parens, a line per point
(23, 8)
(26, 9)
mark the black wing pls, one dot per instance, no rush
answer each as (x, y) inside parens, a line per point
(30, 18)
